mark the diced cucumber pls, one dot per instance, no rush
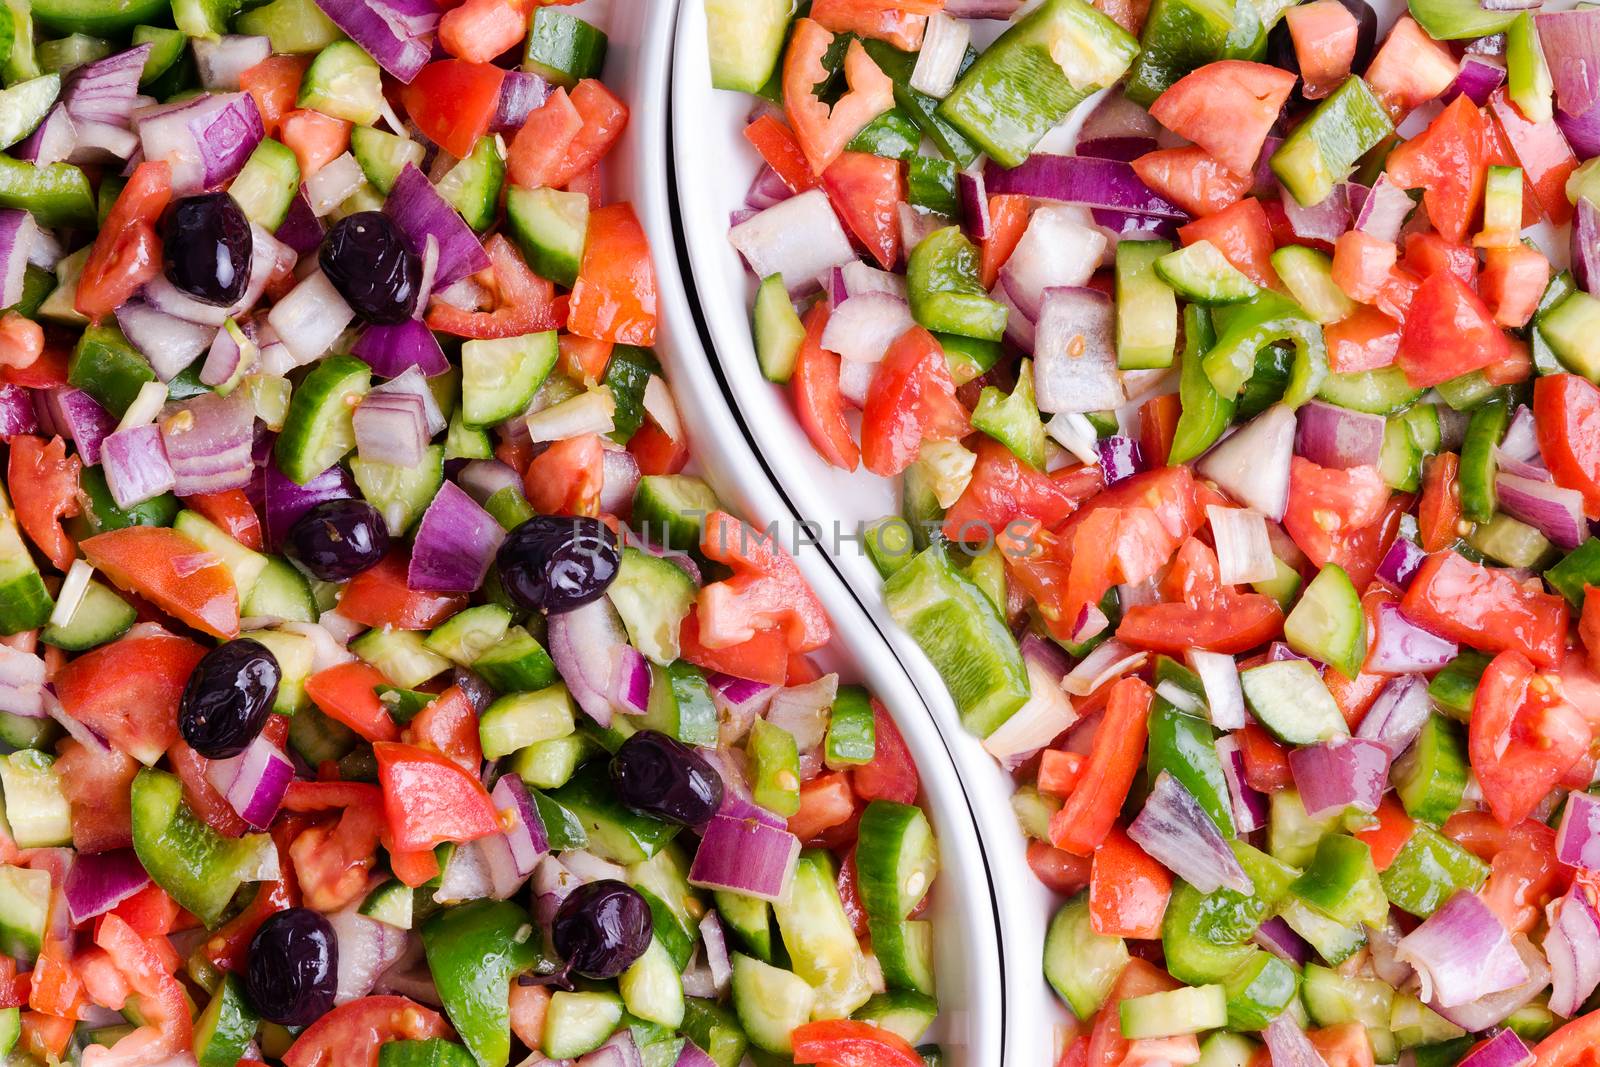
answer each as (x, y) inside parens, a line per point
(579, 1023)
(101, 616)
(1572, 330)
(243, 563)
(517, 664)
(549, 226)
(1178, 37)
(1323, 150)
(1080, 964)
(1224, 1049)
(400, 493)
(1432, 775)
(345, 83)
(24, 904)
(24, 105)
(319, 430)
(715, 1031)
(473, 185)
(25, 604)
(1308, 275)
(227, 1026)
(1334, 941)
(1292, 834)
(523, 719)
(1147, 308)
(653, 595)
(469, 634)
(499, 377)
(1291, 701)
(744, 38)
(563, 48)
(295, 655)
(900, 1011)
(383, 156)
(748, 917)
(203, 18)
(778, 330)
(35, 803)
(1202, 275)
(852, 730)
(1187, 1010)
(1259, 991)
(267, 185)
(433, 1052)
(281, 592)
(680, 705)
(671, 509)
(614, 831)
(651, 987)
(392, 902)
(1328, 623)
(1479, 463)
(400, 656)
(296, 26)
(770, 1003)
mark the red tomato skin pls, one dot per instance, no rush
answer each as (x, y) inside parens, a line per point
(1128, 890)
(1243, 234)
(1566, 410)
(819, 406)
(44, 488)
(1326, 505)
(1522, 737)
(1365, 340)
(1227, 108)
(540, 146)
(866, 190)
(1486, 608)
(912, 398)
(1448, 332)
(614, 298)
(892, 774)
(128, 691)
(453, 102)
(1191, 178)
(379, 596)
(824, 131)
(350, 1035)
(1542, 151)
(1410, 69)
(430, 800)
(232, 511)
(96, 784)
(1325, 37)
(1090, 812)
(1003, 490)
(1448, 162)
(777, 145)
(172, 572)
(127, 252)
(1513, 280)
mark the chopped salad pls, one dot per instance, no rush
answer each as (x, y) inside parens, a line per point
(376, 689)
(1244, 423)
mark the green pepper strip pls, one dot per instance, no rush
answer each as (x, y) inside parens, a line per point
(1268, 319)
(1204, 413)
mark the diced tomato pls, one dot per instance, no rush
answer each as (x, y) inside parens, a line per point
(656, 451)
(46, 1036)
(351, 1034)
(315, 139)
(127, 253)
(1566, 411)
(379, 596)
(1325, 35)
(604, 118)
(529, 1005)
(128, 691)
(824, 131)
(614, 298)
(163, 1004)
(566, 478)
(1191, 178)
(1439, 511)
(1524, 875)
(1362, 265)
(825, 802)
(201, 796)
(1266, 763)
(527, 303)
(1058, 772)
(1243, 234)
(1448, 332)
(430, 800)
(912, 399)
(453, 102)
(333, 859)
(1514, 278)
(819, 405)
(1107, 1046)
(1447, 161)
(448, 726)
(1486, 607)
(1522, 737)
(1343, 1045)
(1008, 221)
(762, 658)
(1363, 340)
(1390, 835)
(44, 489)
(873, 18)
(765, 592)
(1003, 489)
(540, 146)
(1427, 254)
(1128, 890)
(1326, 504)
(1059, 870)
(1411, 68)
(892, 774)
(1158, 422)
(348, 692)
(866, 191)
(1228, 107)
(172, 572)
(1225, 622)
(479, 30)
(1088, 815)
(96, 782)
(232, 511)
(274, 83)
(583, 359)
(777, 145)
(850, 1043)
(1542, 151)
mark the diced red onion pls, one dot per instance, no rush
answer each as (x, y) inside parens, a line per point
(1578, 839)
(396, 33)
(454, 544)
(1554, 511)
(1396, 717)
(1249, 806)
(1111, 660)
(22, 679)
(301, 230)
(1521, 439)
(1120, 457)
(859, 277)
(619, 477)
(982, 9)
(76, 414)
(799, 238)
(135, 465)
(974, 204)
(1288, 1045)
(1324, 221)
(208, 442)
(1400, 563)
(1400, 646)
(222, 60)
(18, 232)
(101, 144)
(745, 856)
(1277, 937)
(1252, 465)
(1332, 436)
(1345, 772)
(99, 881)
(1504, 1049)
(739, 702)
(619, 1051)
(1106, 183)
(520, 93)
(1019, 327)
(1385, 210)
(52, 141)
(1571, 40)
(285, 501)
(1057, 250)
(17, 413)
(1572, 947)
(767, 188)
(392, 349)
(254, 781)
(736, 802)
(1492, 1009)
(1478, 78)
(227, 358)
(1075, 357)
(716, 945)
(525, 831)
(863, 327)
(1177, 833)
(168, 342)
(104, 91)
(366, 948)
(1462, 952)
(206, 140)
(582, 641)
(915, 224)
(420, 212)
(1117, 116)
(630, 681)
(391, 428)
(1126, 149)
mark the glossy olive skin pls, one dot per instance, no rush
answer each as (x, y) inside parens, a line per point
(558, 562)
(205, 247)
(292, 970)
(366, 258)
(228, 698)
(660, 776)
(338, 539)
(602, 928)
(1280, 44)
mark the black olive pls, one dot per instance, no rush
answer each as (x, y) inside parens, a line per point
(366, 258)
(206, 246)
(293, 969)
(601, 928)
(660, 776)
(338, 539)
(228, 698)
(558, 562)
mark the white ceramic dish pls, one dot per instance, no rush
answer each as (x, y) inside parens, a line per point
(713, 167)
(967, 945)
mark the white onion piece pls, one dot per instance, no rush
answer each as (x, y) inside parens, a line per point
(800, 239)
(1244, 552)
(310, 318)
(1252, 465)
(333, 183)
(592, 411)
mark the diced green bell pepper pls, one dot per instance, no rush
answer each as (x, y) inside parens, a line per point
(1267, 320)
(1204, 413)
(1013, 419)
(1185, 746)
(1342, 882)
(1428, 871)
(199, 867)
(57, 195)
(1323, 149)
(942, 281)
(474, 951)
